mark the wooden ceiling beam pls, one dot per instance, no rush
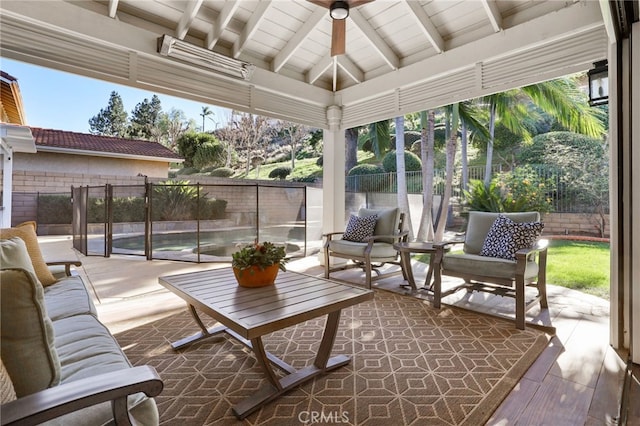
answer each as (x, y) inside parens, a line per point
(223, 19)
(494, 15)
(298, 38)
(252, 26)
(187, 18)
(427, 26)
(379, 45)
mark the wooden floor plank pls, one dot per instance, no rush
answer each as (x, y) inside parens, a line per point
(510, 410)
(584, 353)
(606, 399)
(558, 402)
(540, 368)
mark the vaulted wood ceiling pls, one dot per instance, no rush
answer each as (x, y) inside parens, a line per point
(401, 56)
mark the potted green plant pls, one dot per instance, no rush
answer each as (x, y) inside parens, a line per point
(257, 264)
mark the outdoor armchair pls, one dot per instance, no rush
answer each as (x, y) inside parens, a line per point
(367, 250)
(502, 254)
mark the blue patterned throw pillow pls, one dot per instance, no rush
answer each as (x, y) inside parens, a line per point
(359, 228)
(506, 237)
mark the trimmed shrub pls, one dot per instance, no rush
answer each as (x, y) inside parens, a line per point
(210, 208)
(280, 172)
(54, 209)
(367, 181)
(187, 171)
(412, 162)
(222, 172)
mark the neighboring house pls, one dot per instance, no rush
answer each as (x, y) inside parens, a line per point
(82, 153)
(61, 159)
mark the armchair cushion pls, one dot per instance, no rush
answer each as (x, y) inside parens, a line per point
(27, 232)
(379, 251)
(26, 331)
(485, 266)
(360, 228)
(506, 237)
(387, 221)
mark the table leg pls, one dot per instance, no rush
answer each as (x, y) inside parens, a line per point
(428, 285)
(205, 332)
(277, 387)
(405, 260)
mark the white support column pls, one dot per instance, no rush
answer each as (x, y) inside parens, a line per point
(7, 185)
(333, 175)
(634, 141)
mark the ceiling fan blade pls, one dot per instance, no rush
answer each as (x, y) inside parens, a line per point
(356, 3)
(338, 37)
(322, 3)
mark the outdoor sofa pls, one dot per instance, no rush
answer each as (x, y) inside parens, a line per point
(59, 364)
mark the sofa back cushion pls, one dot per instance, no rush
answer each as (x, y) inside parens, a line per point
(7, 393)
(387, 223)
(480, 223)
(26, 332)
(27, 232)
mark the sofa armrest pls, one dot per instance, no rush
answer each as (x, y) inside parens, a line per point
(66, 263)
(72, 396)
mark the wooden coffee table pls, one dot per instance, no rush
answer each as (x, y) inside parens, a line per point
(247, 314)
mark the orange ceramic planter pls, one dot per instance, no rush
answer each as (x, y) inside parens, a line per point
(255, 277)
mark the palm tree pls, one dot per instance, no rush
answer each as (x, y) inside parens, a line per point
(206, 111)
(561, 98)
(379, 136)
(509, 108)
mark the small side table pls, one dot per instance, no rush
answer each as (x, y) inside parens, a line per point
(405, 250)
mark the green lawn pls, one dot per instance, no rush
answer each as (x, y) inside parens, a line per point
(579, 265)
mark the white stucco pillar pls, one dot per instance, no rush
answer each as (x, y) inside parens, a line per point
(333, 178)
(633, 290)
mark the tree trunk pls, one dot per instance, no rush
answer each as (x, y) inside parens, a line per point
(425, 232)
(464, 160)
(403, 198)
(492, 128)
(448, 185)
(351, 140)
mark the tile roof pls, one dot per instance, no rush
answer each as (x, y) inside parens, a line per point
(103, 144)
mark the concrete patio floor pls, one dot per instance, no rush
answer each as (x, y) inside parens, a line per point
(577, 380)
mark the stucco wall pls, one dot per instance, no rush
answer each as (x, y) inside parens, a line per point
(89, 165)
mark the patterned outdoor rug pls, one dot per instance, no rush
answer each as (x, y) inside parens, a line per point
(411, 365)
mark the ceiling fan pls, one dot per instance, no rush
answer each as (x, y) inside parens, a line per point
(339, 11)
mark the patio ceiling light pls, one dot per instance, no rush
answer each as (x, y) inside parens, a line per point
(599, 83)
(179, 49)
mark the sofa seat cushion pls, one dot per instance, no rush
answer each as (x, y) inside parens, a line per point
(68, 297)
(380, 251)
(87, 348)
(486, 266)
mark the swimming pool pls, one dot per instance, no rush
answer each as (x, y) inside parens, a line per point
(213, 243)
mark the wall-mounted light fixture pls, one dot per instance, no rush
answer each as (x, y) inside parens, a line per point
(339, 10)
(598, 83)
(179, 49)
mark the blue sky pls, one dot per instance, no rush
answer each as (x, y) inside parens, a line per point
(59, 100)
